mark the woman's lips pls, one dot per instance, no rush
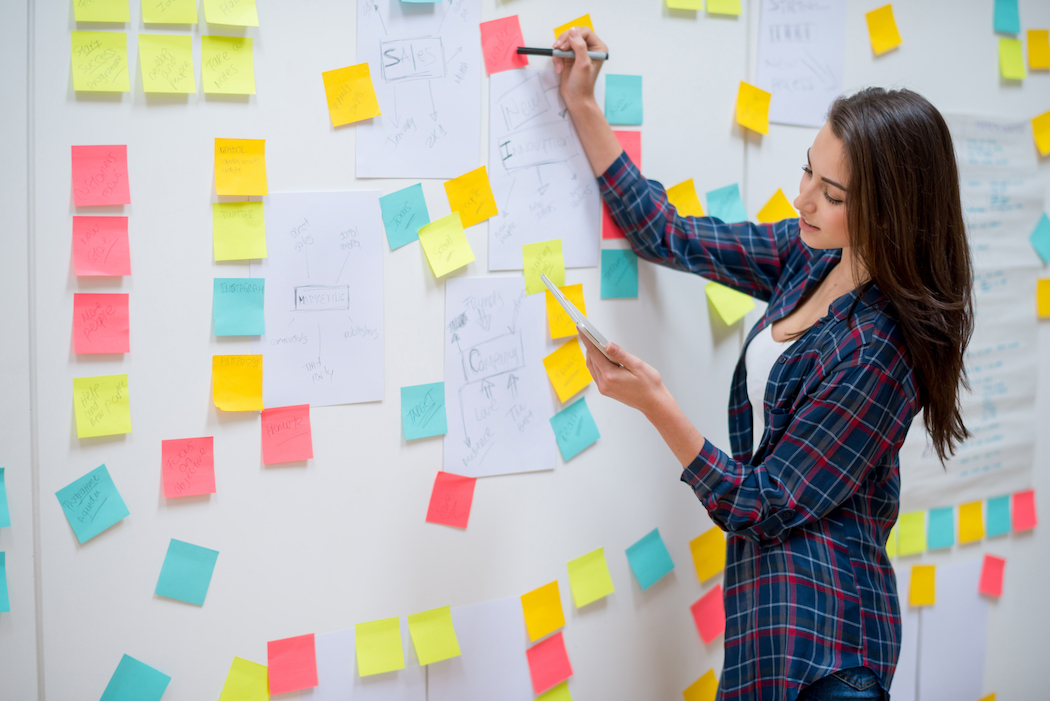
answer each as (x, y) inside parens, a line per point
(806, 226)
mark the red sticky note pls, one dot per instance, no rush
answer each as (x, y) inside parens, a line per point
(100, 246)
(187, 466)
(709, 614)
(100, 323)
(631, 141)
(292, 664)
(451, 499)
(500, 39)
(286, 434)
(1024, 510)
(992, 576)
(100, 175)
(548, 663)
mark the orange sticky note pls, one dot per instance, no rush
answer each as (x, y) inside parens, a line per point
(882, 29)
(286, 434)
(777, 209)
(240, 167)
(561, 324)
(923, 589)
(991, 576)
(451, 499)
(471, 195)
(351, 96)
(752, 108)
(567, 370)
(500, 39)
(187, 466)
(236, 382)
(100, 323)
(1023, 510)
(100, 175)
(1041, 132)
(581, 21)
(971, 522)
(709, 614)
(1042, 297)
(683, 197)
(631, 142)
(100, 246)
(709, 553)
(542, 609)
(703, 689)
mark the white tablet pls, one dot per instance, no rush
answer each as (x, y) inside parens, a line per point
(582, 323)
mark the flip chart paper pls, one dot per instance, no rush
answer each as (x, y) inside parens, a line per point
(423, 411)
(188, 466)
(1011, 59)
(91, 504)
(5, 602)
(500, 39)
(286, 434)
(574, 429)
(623, 99)
(548, 663)
(998, 516)
(882, 30)
(100, 246)
(709, 553)
(581, 21)
(433, 635)
(542, 609)
(227, 66)
(350, 94)
(703, 689)
(991, 583)
(5, 513)
(246, 681)
(338, 679)
(971, 522)
(941, 528)
(379, 647)
(236, 382)
(404, 214)
(923, 591)
(752, 108)
(631, 141)
(709, 614)
(101, 405)
(619, 274)
(953, 643)
(241, 13)
(543, 258)
(100, 61)
(101, 11)
(186, 572)
(238, 230)
(912, 534)
(237, 306)
(725, 204)
(1006, 17)
(776, 209)
(135, 681)
(1041, 131)
(169, 12)
(291, 663)
(730, 304)
(1038, 49)
(683, 197)
(649, 559)
(567, 370)
(445, 245)
(723, 7)
(100, 323)
(558, 320)
(100, 175)
(471, 195)
(1024, 510)
(240, 167)
(167, 63)
(589, 578)
(1040, 238)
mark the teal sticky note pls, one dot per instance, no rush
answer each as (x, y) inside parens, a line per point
(725, 204)
(623, 99)
(1040, 238)
(237, 306)
(404, 214)
(574, 429)
(619, 273)
(91, 504)
(5, 603)
(1007, 18)
(423, 411)
(186, 572)
(649, 559)
(998, 516)
(135, 681)
(940, 529)
(5, 514)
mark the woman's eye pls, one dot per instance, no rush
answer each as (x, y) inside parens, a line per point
(831, 199)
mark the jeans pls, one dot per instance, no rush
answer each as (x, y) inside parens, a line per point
(856, 684)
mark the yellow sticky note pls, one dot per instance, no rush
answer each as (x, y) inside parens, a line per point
(703, 689)
(445, 244)
(558, 693)
(1041, 131)
(433, 635)
(471, 195)
(1042, 297)
(923, 588)
(685, 4)
(567, 370)
(589, 578)
(709, 553)
(100, 61)
(730, 304)
(227, 66)
(723, 7)
(238, 230)
(246, 681)
(883, 29)
(561, 324)
(350, 94)
(543, 258)
(891, 542)
(582, 21)
(101, 405)
(778, 208)
(240, 167)
(1038, 49)
(683, 197)
(167, 63)
(1011, 59)
(912, 533)
(169, 12)
(236, 382)
(378, 646)
(542, 609)
(971, 522)
(240, 13)
(101, 11)
(752, 108)
(989, 697)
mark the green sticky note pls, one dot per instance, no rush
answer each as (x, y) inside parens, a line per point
(649, 559)
(433, 635)
(1011, 59)
(423, 410)
(730, 304)
(723, 7)
(379, 647)
(543, 258)
(92, 504)
(99, 61)
(186, 572)
(167, 63)
(238, 230)
(589, 578)
(101, 11)
(169, 12)
(135, 681)
(404, 214)
(237, 306)
(911, 535)
(940, 532)
(5, 603)
(246, 681)
(1040, 238)
(619, 274)
(101, 405)
(227, 65)
(998, 516)
(725, 204)
(1007, 19)
(574, 429)
(623, 99)
(5, 514)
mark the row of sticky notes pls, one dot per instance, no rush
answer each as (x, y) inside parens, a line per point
(714, 7)
(922, 590)
(240, 13)
(726, 204)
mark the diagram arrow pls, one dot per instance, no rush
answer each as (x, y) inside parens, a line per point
(484, 319)
(512, 385)
(486, 387)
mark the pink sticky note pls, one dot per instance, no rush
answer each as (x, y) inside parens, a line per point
(100, 175)
(631, 141)
(548, 663)
(187, 466)
(100, 246)
(286, 434)
(1024, 510)
(451, 499)
(100, 323)
(292, 664)
(992, 576)
(500, 39)
(709, 614)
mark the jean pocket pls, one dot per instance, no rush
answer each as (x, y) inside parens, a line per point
(859, 678)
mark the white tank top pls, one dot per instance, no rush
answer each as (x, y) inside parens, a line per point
(762, 354)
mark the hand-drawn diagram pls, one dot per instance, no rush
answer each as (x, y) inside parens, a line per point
(324, 299)
(425, 61)
(496, 395)
(542, 182)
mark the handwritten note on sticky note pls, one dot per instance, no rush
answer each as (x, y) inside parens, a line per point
(167, 63)
(286, 434)
(1006, 17)
(451, 499)
(991, 582)
(1011, 59)
(940, 529)
(5, 513)
(186, 572)
(683, 197)
(91, 504)
(1040, 238)
(619, 274)
(567, 370)
(500, 39)
(703, 689)
(100, 175)
(404, 214)
(236, 382)
(723, 7)
(238, 230)
(351, 96)
(543, 258)
(709, 553)
(227, 65)
(581, 21)
(1023, 508)
(1041, 132)
(246, 681)
(100, 323)
(998, 516)
(240, 167)
(776, 209)
(709, 614)
(589, 578)
(100, 61)
(445, 244)
(971, 522)
(187, 466)
(752, 108)
(912, 533)
(548, 663)
(574, 429)
(100, 246)
(1038, 49)
(101, 11)
(882, 30)
(725, 204)
(237, 306)
(730, 304)
(240, 13)
(433, 635)
(559, 322)
(170, 12)
(923, 589)
(649, 559)
(5, 602)
(101, 405)
(379, 647)
(423, 411)
(471, 195)
(135, 680)
(292, 664)
(623, 99)
(542, 609)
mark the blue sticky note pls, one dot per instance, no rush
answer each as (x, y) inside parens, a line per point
(649, 559)
(135, 681)
(423, 410)
(574, 429)
(998, 516)
(940, 531)
(725, 204)
(5, 515)
(619, 273)
(404, 214)
(623, 99)
(1040, 238)
(186, 572)
(237, 306)
(1007, 18)
(92, 504)
(5, 603)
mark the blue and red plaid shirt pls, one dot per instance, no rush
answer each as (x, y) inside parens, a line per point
(809, 589)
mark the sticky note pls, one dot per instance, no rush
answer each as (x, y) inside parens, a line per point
(187, 466)
(100, 246)
(776, 209)
(5, 513)
(100, 323)
(991, 582)
(91, 504)
(1038, 49)
(351, 96)
(548, 663)
(238, 229)
(236, 382)
(450, 500)
(291, 664)
(649, 559)
(1042, 297)
(891, 542)
(240, 167)
(730, 304)
(227, 66)
(433, 635)
(971, 522)
(589, 578)
(500, 40)
(100, 175)
(940, 529)
(471, 195)
(574, 429)
(445, 244)
(379, 647)
(186, 572)
(237, 306)
(169, 12)
(723, 7)
(1041, 132)
(101, 405)
(5, 601)
(709, 553)
(423, 411)
(286, 434)
(543, 258)
(923, 589)
(542, 609)
(567, 370)
(100, 61)
(882, 29)
(619, 274)
(167, 63)
(912, 533)
(623, 99)
(685, 4)
(683, 197)
(581, 21)
(561, 693)
(1024, 510)
(631, 142)
(246, 681)
(240, 13)
(998, 516)
(703, 689)
(1006, 17)
(135, 681)
(1011, 59)
(725, 204)
(558, 321)
(404, 214)
(752, 108)
(101, 11)
(709, 614)
(1040, 238)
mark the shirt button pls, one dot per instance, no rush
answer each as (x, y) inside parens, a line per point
(783, 359)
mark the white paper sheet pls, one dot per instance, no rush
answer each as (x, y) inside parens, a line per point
(425, 63)
(905, 679)
(338, 680)
(324, 299)
(541, 179)
(954, 636)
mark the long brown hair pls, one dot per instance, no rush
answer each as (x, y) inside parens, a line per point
(905, 224)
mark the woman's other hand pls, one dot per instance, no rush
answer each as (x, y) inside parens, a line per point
(578, 74)
(637, 384)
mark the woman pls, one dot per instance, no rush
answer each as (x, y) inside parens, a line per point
(869, 314)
